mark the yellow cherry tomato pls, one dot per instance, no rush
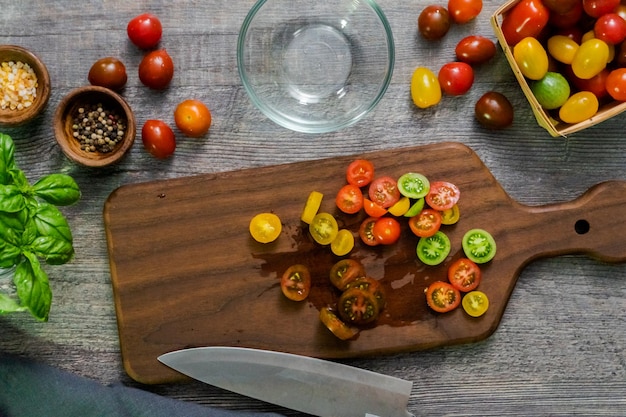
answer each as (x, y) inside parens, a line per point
(590, 58)
(425, 88)
(265, 227)
(451, 215)
(324, 228)
(313, 203)
(475, 303)
(531, 58)
(343, 243)
(401, 207)
(580, 106)
(562, 48)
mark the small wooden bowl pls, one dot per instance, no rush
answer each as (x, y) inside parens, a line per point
(64, 120)
(14, 53)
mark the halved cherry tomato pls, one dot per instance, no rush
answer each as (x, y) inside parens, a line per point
(442, 195)
(349, 199)
(434, 249)
(324, 228)
(401, 207)
(343, 243)
(426, 223)
(336, 326)
(415, 208)
(296, 282)
(343, 272)
(360, 172)
(372, 285)
(451, 215)
(265, 227)
(312, 206)
(413, 185)
(464, 275)
(386, 230)
(357, 306)
(526, 18)
(384, 191)
(372, 209)
(479, 246)
(366, 231)
(442, 297)
(475, 303)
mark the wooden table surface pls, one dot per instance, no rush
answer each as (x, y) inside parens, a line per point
(560, 347)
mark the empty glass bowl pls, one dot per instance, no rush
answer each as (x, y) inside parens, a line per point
(315, 66)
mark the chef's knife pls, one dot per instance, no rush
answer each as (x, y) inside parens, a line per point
(314, 386)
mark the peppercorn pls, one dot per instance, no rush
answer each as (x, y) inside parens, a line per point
(97, 128)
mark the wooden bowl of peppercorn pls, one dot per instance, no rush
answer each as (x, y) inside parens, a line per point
(94, 126)
(24, 83)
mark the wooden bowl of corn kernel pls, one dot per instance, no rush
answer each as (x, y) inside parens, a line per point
(24, 85)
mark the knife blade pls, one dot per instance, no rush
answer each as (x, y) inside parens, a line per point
(314, 386)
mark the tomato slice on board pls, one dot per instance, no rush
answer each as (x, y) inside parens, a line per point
(336, 326)
(464, 275)
(413, 185)
(265, 227)
(349, 199)
(372, 285)
(312, 206)
(296, 282)
(442, 297)
(360, 172)
(479, 246)
(324, 228)
(372, 209)
(357, 306)
(366, 232)
(434, 249)
(401, 207)
(343, 272)
(426, 223)
(415, 208)
(442, 195)
(386, 230)
(475, 303)
(451, 215)
(384, 191)
(343, 243)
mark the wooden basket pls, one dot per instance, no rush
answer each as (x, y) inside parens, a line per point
(552, 125)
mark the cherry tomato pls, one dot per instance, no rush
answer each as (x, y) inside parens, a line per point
(371, 285)
(595, 84)
(311, 207)
(384, 191)
(336, 326)
(357, 306)
(562, 48)
(386, 230)
(596, 8)
(567, 19)
(344, 272)
(324, 228)
(401, 207)
(433, 250)
(425, 88)
(526, 18)
(462, 11)
(580, 106)
(442, 195)
(426, 223)
(413, 185)
(616, 84)
(433, 22)
(296, 282)
(590, 58)
(145, 30)
(531, 58)
(494, 110)
(415, 209)
(464, 275)
(561, 6)
(552, 91)
(349, 199)
(156, 69)
(451, 215)
(479, 246)
(610, 28)
(193, 118)
(366, 231)
(343, 243)
(108, 72)
(372, 209)
(456, 78)
(158, 138)
(442, 297)
(265, 227)
(360, 172)
(475, 49)
(475, 303)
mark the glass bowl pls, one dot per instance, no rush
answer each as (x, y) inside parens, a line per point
(312, 66)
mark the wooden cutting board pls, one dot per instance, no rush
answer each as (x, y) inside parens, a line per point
(186, 273)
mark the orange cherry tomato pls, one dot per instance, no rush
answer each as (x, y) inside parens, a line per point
(386, 230)
(442, 297)
(372, 209)
(296, 282)
(193, 118)
(426, 223)
(464, 275)
(349, 199)
(360, 172)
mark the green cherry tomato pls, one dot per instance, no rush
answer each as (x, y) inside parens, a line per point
(413, 185)
(580, 106)
(590, 58)
(531, 58)
(479, 246)
(434, 249)
(552, 91)
(415, 208)
(425, 88)
(562, 48)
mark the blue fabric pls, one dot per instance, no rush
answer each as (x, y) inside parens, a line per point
(31, 389)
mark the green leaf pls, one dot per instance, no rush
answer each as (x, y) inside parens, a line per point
(54, 251)
(18, 178)
(7, 157)
(50, 222)
(57, 189)
(11, 199)
(33, 287)
(9, 305)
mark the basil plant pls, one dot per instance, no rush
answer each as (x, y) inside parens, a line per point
(33, 232)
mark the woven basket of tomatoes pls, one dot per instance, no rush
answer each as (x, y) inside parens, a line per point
(569, 57)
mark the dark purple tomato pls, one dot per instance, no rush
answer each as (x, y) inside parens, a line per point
(494, 110)
(475, 49)
(433, 22)
(108, 72)
(561, 6)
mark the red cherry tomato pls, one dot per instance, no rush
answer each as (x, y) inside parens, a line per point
(426, 223)
(595, 84)
(145, 30)
(193, 118)
(384, 191)
(349, 199)
(156, 69)
(462, 11)
(475, 49)
(443, 195)
(526, 18)
(386, 230)
(108, 72)
(296, 282)
(610, 28)
(464, 275)
(372, 209)
(433, 22)
(360, 172)
(456, 78)
(596, 8)
(616, 84)
(158, 138)
(442, 297)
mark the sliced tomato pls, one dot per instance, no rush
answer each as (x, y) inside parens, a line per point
(349, 199)
(475, 303)
(265, 227)
(443, 195)
(426, 223)
(366, 232)
(324, 228)
(401, 207)
(479, 246)
(434, 249)
(384, 191)
(336, 326)
(357, 306)
(386, 230)
(343, 243)
(343, 272)
(372, 285)
(312, 206)
(442, 297)
(413, 185)
(296, 282)
(360, 172)
(414, 210)
(464, 275)
(372, 209)
(451, 215)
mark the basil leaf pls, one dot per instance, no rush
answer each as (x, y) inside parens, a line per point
(7, 157)
(18, 178)
(9, 305)
(50, 222)
(11, 199)
(13, 221)
(57, 189)
(53, 251)
(33, 287)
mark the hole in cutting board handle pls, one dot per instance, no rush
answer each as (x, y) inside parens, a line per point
(581, 227)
